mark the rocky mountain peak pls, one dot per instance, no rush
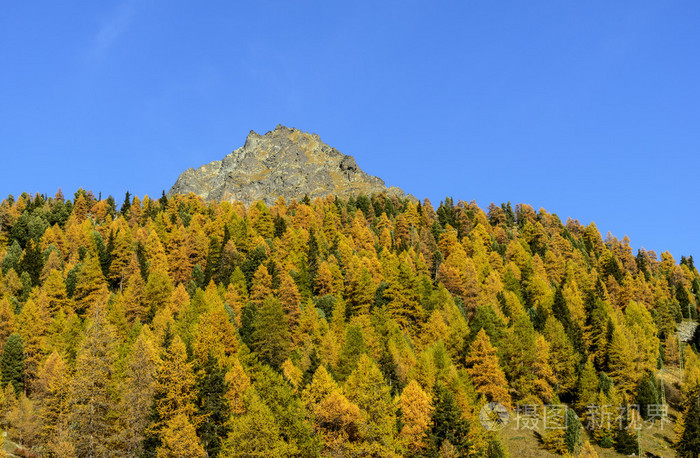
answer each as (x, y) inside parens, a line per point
(284, 162)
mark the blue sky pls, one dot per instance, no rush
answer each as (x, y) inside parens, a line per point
(588, 109)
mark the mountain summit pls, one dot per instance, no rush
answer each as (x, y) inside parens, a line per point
(284, 162)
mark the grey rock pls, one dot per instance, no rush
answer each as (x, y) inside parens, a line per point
(686, 330)
(284, 162)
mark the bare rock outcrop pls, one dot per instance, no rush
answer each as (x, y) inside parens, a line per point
(284, 162)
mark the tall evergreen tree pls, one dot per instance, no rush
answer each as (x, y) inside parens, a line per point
(688, 444)
(447, 423)
(213, 407)
(271, 336)
(126, 206)
(12, 257)
(32, 261)
(572, 436)
(287, 409)
(312, 257)
(647, 394)
(626, 440)
(12, 363)
(213, 256)
(353, 347)
(256, 433)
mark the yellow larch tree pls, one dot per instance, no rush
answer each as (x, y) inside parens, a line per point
(484, 370)
(52, 390)
(261, 219)
(366, 388)
(155, 253)
(359, 289)
(179, 440)
(173, 389)
(404, 301)
(91, 287)
(621, 359)
(179, 256)
(339, 421)
(137, 391)
(322, 384)
(54, 291)
(216, 335)
(8, 321)
(292, 373)
(53, 263)
(179, 300)
(90, 391)
(333, 415)
(157, 292)
(135, 212)
(544, 375)
(562, 357)
(53, 236)
(198, 241)
(416, 409)
(324, 280)
(32, 329)
(133, 298)
(121, 253)
(261, 285)
(290, 298)
(641, 325)
(238, 382)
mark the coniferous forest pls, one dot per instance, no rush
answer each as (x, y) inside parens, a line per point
(368, 326)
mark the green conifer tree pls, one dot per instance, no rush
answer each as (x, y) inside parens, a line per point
(256, 433)
(688, 443)
(271, 336)
(12, 363)
(572, 436)
(447, 423)
(213, 406)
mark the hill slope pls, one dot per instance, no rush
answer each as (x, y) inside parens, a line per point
(375, 326)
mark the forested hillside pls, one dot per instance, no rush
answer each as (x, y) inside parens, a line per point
(373, 326)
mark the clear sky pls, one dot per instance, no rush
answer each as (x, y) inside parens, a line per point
(590, 110)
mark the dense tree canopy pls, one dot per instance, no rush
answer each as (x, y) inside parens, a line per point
(371, 326)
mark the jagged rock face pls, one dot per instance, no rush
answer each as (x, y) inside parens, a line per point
(284, 162)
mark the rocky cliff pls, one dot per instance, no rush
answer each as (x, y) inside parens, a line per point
(284, 162)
